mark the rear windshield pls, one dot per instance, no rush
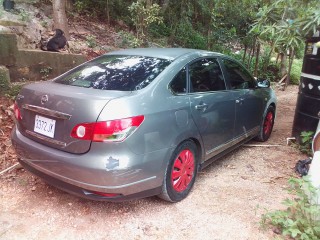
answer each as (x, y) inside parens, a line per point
(111, 72)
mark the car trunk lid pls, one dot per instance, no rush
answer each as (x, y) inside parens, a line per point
(49, 112)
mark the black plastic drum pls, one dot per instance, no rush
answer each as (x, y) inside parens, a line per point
(307, 113)
(8, 5)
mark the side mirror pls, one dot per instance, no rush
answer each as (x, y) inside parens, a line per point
(263, 83)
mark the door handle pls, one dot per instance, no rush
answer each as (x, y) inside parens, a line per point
(202, 107)
(239, 100)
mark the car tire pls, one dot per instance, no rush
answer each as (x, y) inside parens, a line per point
(180, 173)
(267, 125)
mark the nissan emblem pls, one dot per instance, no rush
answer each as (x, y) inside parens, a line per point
(44, 99)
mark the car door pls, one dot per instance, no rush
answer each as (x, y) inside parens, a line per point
(249, 103)
(212, 107)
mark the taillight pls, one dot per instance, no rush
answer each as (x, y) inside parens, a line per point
(17, 112)
(113, 130)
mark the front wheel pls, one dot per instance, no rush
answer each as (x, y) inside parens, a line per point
(267, 125)
(180, 173)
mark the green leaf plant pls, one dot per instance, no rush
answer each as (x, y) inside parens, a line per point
(301, 217)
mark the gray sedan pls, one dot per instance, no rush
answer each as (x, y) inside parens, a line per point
(139, 122)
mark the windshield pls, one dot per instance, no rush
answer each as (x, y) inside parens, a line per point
(114, 72)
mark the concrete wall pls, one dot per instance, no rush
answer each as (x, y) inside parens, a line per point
(8, 49)
(34, 65)
(4, 80)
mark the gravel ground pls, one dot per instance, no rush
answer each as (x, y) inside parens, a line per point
(226, 202)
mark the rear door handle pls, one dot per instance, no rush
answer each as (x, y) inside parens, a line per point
(202, 107)
(239, 100)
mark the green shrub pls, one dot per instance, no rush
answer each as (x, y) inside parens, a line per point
(14, 90)
(305, 145)
(24, 15)
(91, 41)
(300, 220)
(115, 9)
(143, 15)
(272, 72)
(188, 37)
(296, 71)
(129, 40)
(266, 69)
(4, 80)
(159, 30)
(300, 51)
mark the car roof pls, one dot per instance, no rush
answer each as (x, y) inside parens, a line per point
(165, 53)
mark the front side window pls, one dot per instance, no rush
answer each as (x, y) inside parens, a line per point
(115, 72)
(239, 77)
(206, 76)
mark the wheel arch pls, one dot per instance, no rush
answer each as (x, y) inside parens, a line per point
(171, 191)
(273, 105)
(199, 149)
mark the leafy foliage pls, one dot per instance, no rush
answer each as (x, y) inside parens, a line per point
(104, 10)
(143, 15)
(129, 40)
(284, 24)
(300, 219)
(188, 37)
(91, 41)
(256, 28)
(24, 16)
(296, 71)
(45, 71)
(306, 142)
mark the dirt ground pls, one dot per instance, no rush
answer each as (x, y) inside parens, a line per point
(226, 202)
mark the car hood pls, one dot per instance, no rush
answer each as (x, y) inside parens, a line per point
(64, 107)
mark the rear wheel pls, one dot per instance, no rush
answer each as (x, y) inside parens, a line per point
(180, 173)
(267, 125)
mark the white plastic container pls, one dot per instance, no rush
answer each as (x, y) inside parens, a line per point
(314, 176)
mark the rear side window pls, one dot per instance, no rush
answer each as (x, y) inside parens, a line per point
(238, 76)
(179, 83)
(111, 72)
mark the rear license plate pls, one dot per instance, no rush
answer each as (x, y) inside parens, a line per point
(44, 126)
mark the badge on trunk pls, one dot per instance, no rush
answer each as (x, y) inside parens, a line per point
(44, 99)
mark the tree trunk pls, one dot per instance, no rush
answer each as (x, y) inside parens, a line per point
(283, 68)
(245, 52)
(252, 53)
(257, 60)
(60, 17)
(209, 30)
(209, 45)
(165, 5)
(278, 56)
(107, 11)
(249, 57)
(266, 64)
(291, 57)
(148, 3)
(69, 5)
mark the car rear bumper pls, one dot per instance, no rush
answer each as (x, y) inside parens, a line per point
(124, 176)
(81, 192)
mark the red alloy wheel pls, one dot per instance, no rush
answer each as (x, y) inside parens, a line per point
(183, 170)
(268, 123)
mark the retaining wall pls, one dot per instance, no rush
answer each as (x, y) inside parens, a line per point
(34, 65)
